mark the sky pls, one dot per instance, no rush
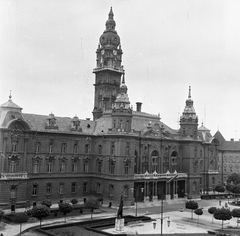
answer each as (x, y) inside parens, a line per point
(48, 55)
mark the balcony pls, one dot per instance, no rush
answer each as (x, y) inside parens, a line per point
(7, 176)
(156, 175)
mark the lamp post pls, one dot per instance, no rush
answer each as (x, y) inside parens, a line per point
(162, 217)
(137, 189)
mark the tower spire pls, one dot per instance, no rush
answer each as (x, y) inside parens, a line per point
(110, 15)
(123, 79)
(189, 92)
(10, 95)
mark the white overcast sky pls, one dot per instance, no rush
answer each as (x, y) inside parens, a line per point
(47, 54)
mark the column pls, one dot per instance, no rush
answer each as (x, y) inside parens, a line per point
(4, 167)
(155, 198)
(25, 155)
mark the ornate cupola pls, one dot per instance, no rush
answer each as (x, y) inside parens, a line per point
(189, 119)
(121, 111)
(108, 69)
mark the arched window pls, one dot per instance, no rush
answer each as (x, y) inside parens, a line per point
(155, 160)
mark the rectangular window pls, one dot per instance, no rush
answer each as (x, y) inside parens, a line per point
(100, 149)
(85, 187)
(61, 188)
(36, 167)
(37, 148)
(74, 167)
(64, 148)
(98, 188)
(48, 189)
(49, 167)
(12, 167)
(126, 167)
(128, 149)
(34, 190)
(73, 188)
(111, 167)
(110, 190)
(99, 166)
(125, 191)
(14, 147)
(75, 149)
(62, 167)
(85, 166)
(112, 150)
(87, 148)
(50, 148)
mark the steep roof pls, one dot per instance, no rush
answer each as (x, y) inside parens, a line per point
(38, 123)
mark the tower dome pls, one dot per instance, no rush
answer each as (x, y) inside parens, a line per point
(110, 36)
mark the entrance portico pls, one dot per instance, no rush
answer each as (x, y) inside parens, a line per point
(155, 186)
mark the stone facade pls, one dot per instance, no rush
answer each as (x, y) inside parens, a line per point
(228, 156)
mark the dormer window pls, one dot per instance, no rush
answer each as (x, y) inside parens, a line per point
(51, 122)
(75, 124)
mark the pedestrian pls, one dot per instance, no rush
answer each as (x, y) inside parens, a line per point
(219, 202)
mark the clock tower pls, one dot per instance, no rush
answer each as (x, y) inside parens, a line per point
(189, 120)
(108, 69)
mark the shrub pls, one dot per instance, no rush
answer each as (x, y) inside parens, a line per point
(47, 203)
(219, 188)
(74, 201)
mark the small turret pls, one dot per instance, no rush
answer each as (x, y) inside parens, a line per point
(122, 111)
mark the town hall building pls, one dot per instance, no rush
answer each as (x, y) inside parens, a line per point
(121, 151)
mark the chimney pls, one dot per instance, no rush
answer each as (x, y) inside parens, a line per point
(232, 139)
(139, 105)
(87, 118)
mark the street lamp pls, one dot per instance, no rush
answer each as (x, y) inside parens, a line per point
(137, 190)
(162, 217)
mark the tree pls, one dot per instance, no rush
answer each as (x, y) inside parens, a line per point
(236, 213)
(229, 187)
(211, 210)
(234, 178)
(236, 189)
(92, 203)
(198, 212)
(192, 205)
(65, 208)
(222, 214)
(20, 218)
(40, 212)
(74, 201)
(219, 188)
(47, 203)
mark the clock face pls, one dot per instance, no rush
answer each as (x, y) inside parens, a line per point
(114, 52)
(102, 52)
